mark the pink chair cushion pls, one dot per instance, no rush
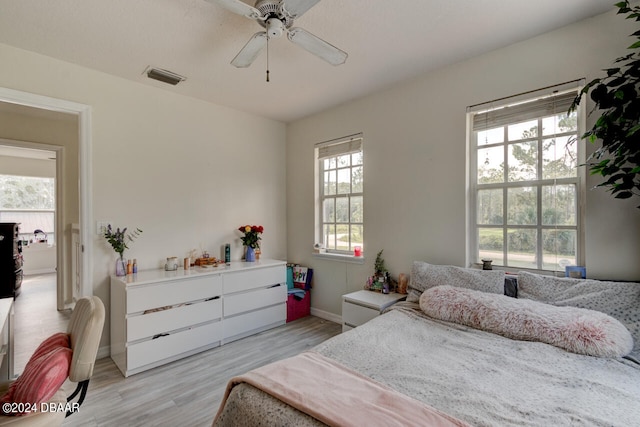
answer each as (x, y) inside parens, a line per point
(41, 379)
(60, 339)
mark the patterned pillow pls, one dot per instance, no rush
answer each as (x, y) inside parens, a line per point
(41, 379)
(425, 276)
(574, 329)
(620, 300)
(60, 339)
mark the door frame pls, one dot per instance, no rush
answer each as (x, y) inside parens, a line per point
(58, 151)
(84, 158)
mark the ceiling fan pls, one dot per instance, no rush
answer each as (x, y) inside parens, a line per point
(277, 17)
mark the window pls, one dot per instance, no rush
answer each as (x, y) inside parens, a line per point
(525, 184)
(29, 201)
(340, 225)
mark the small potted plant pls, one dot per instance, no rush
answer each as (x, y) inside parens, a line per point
(380, 281)
(251, 240)
(118, 240)
(378, 265)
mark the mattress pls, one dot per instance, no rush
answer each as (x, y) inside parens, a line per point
(476, 376)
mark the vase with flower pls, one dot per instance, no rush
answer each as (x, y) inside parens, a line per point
(118, 240)
(251, 240)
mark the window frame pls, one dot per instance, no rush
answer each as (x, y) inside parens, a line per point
(473, 187)
(333, 149)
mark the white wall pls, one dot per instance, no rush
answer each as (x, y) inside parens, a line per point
(187, 172)
(414, 153)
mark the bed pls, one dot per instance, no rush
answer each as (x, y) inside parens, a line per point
(565, 352)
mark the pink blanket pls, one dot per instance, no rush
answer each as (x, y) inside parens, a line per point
(338, 396)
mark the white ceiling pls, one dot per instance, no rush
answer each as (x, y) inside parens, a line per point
(387, 41)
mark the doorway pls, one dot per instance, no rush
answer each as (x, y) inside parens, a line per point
(36, 190)
(29, 117)
(39, 105)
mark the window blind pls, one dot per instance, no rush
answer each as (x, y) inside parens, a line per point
(555, 104)
(339, 147)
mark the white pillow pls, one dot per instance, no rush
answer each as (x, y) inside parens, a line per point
(574, 329)
(620, 300)
(425, 276)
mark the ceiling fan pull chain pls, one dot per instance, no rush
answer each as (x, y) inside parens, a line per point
(268, 58)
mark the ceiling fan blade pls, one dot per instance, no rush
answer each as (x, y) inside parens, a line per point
(250, 51)
(296, 8)
(236, 6)
(317, 46)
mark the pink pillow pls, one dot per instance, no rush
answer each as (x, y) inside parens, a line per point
(41, 379)
(60, 339)
(574, 329)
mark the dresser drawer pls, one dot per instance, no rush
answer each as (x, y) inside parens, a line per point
(240, 303)
(147, 325)
(174, 292)
(356, 315)
(253, 279)
(259, 319)
(152, 351)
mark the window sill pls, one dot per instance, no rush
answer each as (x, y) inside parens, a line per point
(515, 270)
(339, 257)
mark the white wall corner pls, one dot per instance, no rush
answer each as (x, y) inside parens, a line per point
(326, 315)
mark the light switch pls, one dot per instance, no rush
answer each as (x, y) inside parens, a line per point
(101, 227)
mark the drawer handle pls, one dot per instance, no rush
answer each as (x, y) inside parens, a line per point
(275, 286)
(213, 298)
(159, 336)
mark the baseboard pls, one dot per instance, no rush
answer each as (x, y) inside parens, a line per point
(38, 271)
(104, 352)
(326, 315)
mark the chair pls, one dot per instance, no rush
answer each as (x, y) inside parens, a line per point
(85, 331)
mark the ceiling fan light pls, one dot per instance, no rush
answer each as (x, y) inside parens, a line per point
(275, 28)
(164, 76)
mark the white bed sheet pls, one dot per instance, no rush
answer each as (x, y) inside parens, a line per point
(486, 379)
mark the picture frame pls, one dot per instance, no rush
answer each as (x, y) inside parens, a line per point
(575, 272)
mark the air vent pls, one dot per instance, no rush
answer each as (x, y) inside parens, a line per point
(164, 76)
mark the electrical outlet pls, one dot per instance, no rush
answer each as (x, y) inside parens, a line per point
(101, 227)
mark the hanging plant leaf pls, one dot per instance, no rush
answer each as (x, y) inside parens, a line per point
(612, 71)
(633, 130)
(624, 195)
(617, 99)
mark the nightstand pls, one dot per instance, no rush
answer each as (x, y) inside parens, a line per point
(361, 306)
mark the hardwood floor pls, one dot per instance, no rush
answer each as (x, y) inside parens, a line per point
(35, 317)
(188, 392)
(183, 393)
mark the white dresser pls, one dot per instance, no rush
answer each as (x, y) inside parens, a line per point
(160, 316)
